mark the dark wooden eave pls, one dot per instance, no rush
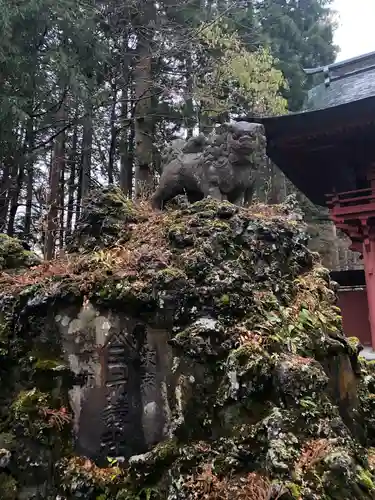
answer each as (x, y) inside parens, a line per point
(311, 126)
(328, 146)
(350, 278)
(324, 150)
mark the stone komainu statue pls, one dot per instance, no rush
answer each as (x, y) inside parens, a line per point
(223, 166)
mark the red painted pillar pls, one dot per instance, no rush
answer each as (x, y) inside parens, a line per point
(369, 264)
(354, 213)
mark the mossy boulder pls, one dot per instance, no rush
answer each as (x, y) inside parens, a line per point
(266, 396)
(13, 254)
(103, 222)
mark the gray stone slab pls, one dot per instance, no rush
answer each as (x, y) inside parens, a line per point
(368, 353)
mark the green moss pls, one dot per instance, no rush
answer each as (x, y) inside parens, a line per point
(29, 402)
(246, 354)
(8, 487)
(294, 490)
(135, 295)
(7, 440)
(219, 224)
(242, 354)
(170, 273)
(225, 300)
(365, 479)
(220, 465)
(210, 207)
(112, 201)
(166, 451)
(4, 329)
(354, 342)
(147, 493)
(80, 476)
(179, 236)
(250, 368)
(368, 365)
(55, 365)
(177, 227)
(13, 255)
(240, 405)
(104, 221)
(38, 416)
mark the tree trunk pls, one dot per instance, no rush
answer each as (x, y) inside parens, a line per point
(127, 134)
(143, 104)
(8, 164)
(127, 160)
(62, 204)
(190, 121)
(18, 173)
(86, 150)
(124, 159)
(79, 194)
(112, 147)
(127, 137)
(205, 122)
(58, 159)
(72, 165)
(131, 159)
(30, 179)
(4, 186)
(14, 195)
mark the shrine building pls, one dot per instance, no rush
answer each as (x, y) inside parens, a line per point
(328, 152)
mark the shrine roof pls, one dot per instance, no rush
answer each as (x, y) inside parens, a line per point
(323, 147)
(345, 81)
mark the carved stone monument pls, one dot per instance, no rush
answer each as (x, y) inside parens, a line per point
(120, 398)
(223, 166)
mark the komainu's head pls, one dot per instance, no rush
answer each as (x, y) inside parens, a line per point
(247, 143)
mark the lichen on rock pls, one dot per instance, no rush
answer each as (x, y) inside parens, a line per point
(194, 353)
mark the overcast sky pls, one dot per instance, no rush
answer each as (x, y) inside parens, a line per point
(356, 34)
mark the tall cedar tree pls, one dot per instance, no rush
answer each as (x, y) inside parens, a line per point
(132, 75)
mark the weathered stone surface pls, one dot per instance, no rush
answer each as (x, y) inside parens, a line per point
(223, 166)
(203, 357)
(121, 408)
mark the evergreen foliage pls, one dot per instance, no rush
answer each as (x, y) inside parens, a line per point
(91, 92)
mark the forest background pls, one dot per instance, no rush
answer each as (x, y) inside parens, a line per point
(91, 91)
